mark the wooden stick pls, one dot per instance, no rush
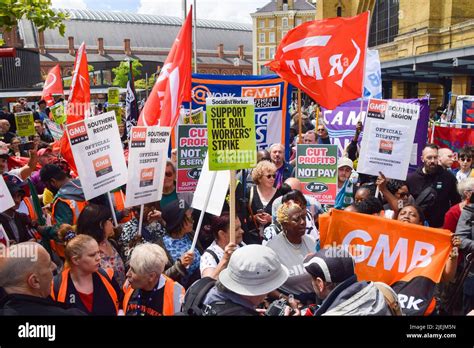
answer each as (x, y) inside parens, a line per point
(112, 209)
(232, 207)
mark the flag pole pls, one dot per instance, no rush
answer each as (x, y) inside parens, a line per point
(112, 209)
(317, 117)
(140, 220)
(232, 207)
(195, 37)
(300, 123)
(203, 211)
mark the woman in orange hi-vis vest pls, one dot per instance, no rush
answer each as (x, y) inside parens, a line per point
(148, 292)
(82, 283)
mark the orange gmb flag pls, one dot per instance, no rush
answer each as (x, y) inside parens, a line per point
(52, 85)
(173, 85)
(410, 258)
(325, 58)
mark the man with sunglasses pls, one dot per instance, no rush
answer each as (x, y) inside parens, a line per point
(432, 176)
(323, 135)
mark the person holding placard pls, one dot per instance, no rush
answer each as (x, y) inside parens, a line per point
(169, 187)
(431, 180)
(178, 239)
(216, 257)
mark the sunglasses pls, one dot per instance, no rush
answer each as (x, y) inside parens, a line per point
(404, 194)
(169, 174)
(468, 159)
(270, 176)
(321, 130)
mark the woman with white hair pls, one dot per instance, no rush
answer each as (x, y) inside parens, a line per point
(148, 292)
(465, 188)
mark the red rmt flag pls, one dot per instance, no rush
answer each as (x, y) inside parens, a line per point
(78, 105)
(325, 58)
(173, 85)
(52, 85)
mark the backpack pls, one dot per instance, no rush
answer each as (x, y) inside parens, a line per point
(193, 304)
(195, 295)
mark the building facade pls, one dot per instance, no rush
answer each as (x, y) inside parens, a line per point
(270, 25)
(425, 46)
(112, 37)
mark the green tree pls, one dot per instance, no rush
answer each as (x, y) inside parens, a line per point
(121, 72)
(37, 11)
(141, 84)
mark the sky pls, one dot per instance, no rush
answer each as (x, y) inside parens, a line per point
(225, 10)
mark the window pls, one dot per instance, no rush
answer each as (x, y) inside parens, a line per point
(272, 52)
(271, 37)
(261, 23)
(261, 38)
(271, 23)
(339, 11)
(283, 33)
(298, 21)
(384, 24)
(284, 22)
(261, 55)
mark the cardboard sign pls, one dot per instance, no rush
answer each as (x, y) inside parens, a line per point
(316, 168)
(59, 115)
(192, 149)
(97, 151)
(196, 117)
(54, 129)
(25, 124)
(387, 143)
(6, 200)
(146, 164)
(113, 95)
(231, 132)
(118, 112)
(218, 193)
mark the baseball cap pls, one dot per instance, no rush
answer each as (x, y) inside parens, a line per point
(345, 162)
(44, 151)
(333, 265)
(173, 213)
(254, 270)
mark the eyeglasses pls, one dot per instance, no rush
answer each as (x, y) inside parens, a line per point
(320, 129)
(270, 176)
(169, 174)
(467, 159)
(404, 194)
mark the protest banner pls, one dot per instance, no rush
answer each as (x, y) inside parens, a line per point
(453, 138)
(218, 193)
(342, 121)
(231, 133)
(465, 109)
(373, 75)
(409, 257)
(59, 115)
(97, 150)
(270, 93)
(6, 200)
(146, 164)
(54, 129)
(388, 142)
(196, 117)
(25, 124)
(118, 112)
(316, 168)
(192, 149)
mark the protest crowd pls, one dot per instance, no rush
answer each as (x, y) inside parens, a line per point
(374, 245)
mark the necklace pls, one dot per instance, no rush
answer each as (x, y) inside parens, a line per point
(294, 246)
